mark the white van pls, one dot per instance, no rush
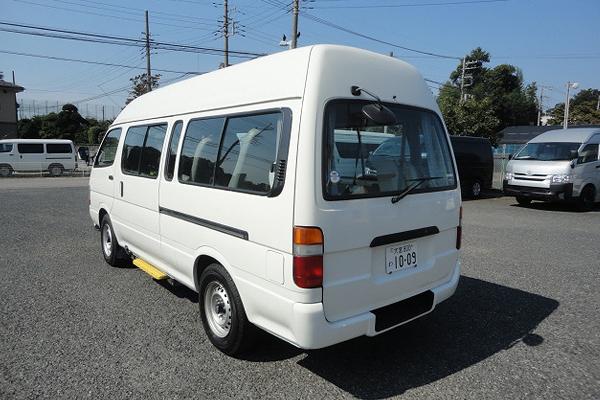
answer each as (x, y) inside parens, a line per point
(228, 184)
(37, 155)
(558, 165)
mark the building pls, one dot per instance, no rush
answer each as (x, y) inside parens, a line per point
(8, 109)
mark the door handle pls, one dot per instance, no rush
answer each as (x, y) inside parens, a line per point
(110, 177)
(121, 188)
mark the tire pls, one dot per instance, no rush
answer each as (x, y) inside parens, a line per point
(222, 312)
(586, 199)
(5, 170)
(111, 250)
(55, 170)
(476, 189)
(523, 200)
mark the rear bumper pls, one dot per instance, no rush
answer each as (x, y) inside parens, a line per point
(312, 331)
(556, 192)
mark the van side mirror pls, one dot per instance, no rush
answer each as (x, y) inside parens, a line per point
(573, 154)
(377, 113)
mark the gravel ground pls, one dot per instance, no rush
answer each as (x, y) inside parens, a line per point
(524, 322)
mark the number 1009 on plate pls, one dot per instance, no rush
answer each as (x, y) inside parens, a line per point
(402, 256)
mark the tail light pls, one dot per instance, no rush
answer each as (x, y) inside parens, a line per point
(308, 257)
(459, 230)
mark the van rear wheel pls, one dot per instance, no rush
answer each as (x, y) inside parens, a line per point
(476, 189)
(222, 312)
(55, 170)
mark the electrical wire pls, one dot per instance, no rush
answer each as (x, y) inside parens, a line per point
(107, 39)
(94, 62)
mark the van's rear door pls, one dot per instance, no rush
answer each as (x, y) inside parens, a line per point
(377, 253)
(390, 229)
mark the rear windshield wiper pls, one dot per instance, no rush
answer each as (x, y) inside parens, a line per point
(415, 184)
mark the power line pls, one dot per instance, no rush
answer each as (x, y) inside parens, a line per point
(449, 3)
(93, 62)
(341, 28)
(123, 41)
(128, 11)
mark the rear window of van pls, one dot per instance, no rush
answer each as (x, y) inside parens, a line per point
(53, 148)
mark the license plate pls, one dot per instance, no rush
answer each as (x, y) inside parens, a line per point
(402, 256)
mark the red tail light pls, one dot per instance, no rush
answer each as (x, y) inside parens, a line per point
(308, 257)
(308, 271)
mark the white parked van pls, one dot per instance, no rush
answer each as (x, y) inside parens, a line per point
(558, 165)
(37, 155)
(230, 184)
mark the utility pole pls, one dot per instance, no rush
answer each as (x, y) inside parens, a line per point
(540, 105)
(541, 109)
(148, 72)
(226, 33)
(295, 11)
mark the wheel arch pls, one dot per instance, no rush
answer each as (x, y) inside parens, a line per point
(200, 265)
(590, 186)
(101, 213)
(54, 165)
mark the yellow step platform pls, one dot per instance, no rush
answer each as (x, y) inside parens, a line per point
(149, 269)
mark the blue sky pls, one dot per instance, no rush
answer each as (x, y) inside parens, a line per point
(552, 41)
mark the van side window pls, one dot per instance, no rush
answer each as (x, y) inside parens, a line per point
(142, 150)
(248, 152)
(173, 145)
(199, 152)
(6, 147)
(54, 148)
(238, 152)
(588, 154)
(30, 148)
(108, 150)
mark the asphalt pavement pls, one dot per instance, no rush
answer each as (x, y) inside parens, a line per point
(524, 322)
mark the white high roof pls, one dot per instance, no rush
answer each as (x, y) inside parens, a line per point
(575, 135)
(320, 71)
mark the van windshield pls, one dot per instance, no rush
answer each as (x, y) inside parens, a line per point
(362, 159)
(551, 151)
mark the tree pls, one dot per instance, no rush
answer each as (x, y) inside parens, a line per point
(471, 118)
(583, 109)
(491, 99)
(30, 128)
(96, 131)
(140, 86)
(67, 124)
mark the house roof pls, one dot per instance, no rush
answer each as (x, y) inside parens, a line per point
(10, 87)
